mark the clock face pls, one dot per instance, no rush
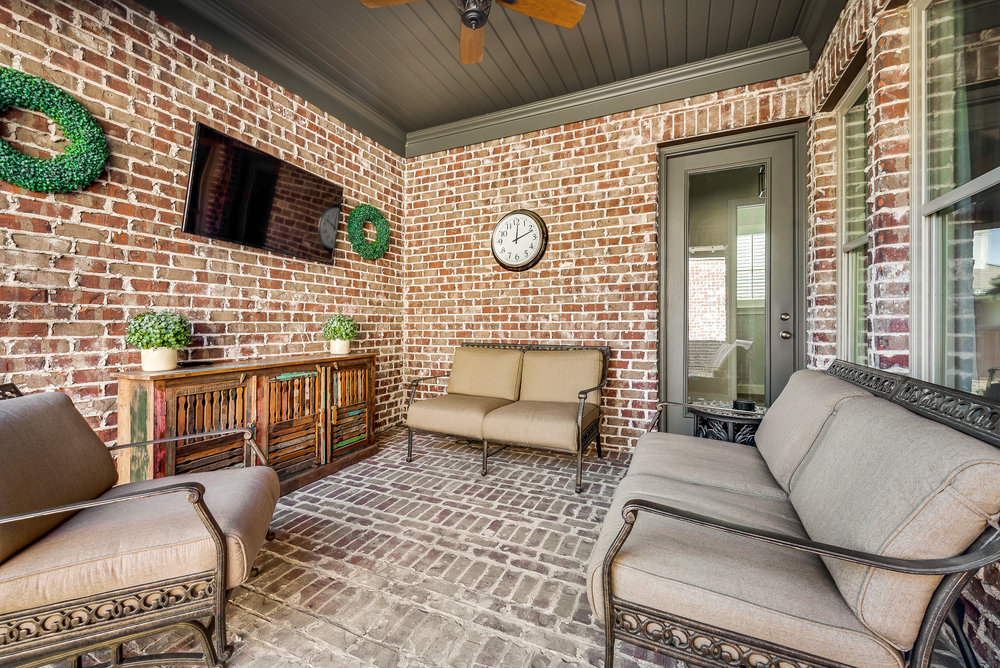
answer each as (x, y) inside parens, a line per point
(519, 240)
(328, 227)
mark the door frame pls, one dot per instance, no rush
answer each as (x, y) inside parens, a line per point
(797, 133)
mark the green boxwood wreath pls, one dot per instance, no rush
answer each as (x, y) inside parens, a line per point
(366, 213)
(81, 162)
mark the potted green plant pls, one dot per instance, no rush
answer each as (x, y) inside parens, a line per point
(159, 335)
(340, 330)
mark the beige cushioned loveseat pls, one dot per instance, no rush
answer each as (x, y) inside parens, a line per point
(539, 396)
(878, 466)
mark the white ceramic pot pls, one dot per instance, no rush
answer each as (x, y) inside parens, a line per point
(340, 346)
(159, 359)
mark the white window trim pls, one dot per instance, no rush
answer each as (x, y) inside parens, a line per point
(926, 253)
(846, 297)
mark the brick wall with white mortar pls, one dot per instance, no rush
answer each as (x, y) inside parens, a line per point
(75, 266)
(595, 184)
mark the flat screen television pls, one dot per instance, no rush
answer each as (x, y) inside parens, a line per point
(238, 193)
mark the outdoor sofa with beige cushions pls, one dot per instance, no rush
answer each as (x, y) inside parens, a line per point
(538, 396)
(699, 534)
(120, 561)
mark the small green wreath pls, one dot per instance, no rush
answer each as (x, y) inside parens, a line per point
(366, 213)
(81, 162)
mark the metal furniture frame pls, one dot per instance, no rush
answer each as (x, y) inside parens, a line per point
(586, 434)
(71, 629)
(701, 644)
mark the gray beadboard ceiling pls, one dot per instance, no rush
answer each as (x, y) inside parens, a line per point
(393, 72)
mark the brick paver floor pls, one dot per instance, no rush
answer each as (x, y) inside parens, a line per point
(397, 565)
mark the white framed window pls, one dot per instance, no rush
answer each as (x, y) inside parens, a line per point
(955, 319)
(852, 223)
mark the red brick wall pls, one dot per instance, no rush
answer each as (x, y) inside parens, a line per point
(595, 184)
(76, 265)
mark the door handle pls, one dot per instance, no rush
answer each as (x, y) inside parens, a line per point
(785, 334)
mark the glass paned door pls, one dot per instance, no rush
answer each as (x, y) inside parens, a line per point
(726, 285)
(728, 317)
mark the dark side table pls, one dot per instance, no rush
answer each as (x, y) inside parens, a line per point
(721, 425)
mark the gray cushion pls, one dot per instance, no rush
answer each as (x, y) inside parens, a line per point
(731, 466)
(486, 372)
(559, 375)
(884, 480)
(455, 414)
(779, 595)
(547, 424)
(796, 417)
(131, 543)
(51, 457)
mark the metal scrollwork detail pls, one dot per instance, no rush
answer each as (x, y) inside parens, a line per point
(709, 428)
(696, 642)
(93, 613)
(955, 408)
(873, 380)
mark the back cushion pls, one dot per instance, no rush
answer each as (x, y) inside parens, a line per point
(794, 420)
(486, 372)
(51, 457)
(884, 480)
(559, 375)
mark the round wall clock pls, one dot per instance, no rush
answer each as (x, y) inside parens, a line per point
(519, 240)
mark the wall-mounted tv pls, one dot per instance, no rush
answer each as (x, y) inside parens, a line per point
(238, 193)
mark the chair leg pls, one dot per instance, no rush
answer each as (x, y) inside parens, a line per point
(486, 454)
(409, 445)
(609, 645)
(579, 469)
(598, 442)
(954, 621)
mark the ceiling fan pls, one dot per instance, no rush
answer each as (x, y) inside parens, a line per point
(565, 13)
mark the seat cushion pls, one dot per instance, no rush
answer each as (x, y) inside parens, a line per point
(796, 417)
(51, 457)
(455, 414)
(703, 461)
(546, 424)
(486, 372)
(732, 582)
(559, 375)
(132, 543)
(884, 480)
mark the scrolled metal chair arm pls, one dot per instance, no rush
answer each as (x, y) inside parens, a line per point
(195, 492)
(417, 381)
(962, 563)
(249, 435)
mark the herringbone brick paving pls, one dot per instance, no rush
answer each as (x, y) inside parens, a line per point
(399, 565)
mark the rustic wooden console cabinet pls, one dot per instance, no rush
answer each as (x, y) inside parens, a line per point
(312, 415)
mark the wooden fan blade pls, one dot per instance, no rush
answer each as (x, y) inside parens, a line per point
(471, 49)
(565, 13)
(384, 3)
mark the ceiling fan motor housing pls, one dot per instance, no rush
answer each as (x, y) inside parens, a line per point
(475, 12)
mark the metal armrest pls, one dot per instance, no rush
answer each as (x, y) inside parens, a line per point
(417, 381)
(195, 492)
(702, 407)
(958, 564)
(248, 435)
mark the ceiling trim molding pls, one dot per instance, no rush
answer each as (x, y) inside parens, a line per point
(232, 35)
(771, 61)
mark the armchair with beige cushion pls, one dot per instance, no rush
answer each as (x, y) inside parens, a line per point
(543, 396)
(85, 564)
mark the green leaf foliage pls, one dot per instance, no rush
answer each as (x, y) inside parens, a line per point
(366, 213)
(158, 329)
(339, 326)
(82, 161)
